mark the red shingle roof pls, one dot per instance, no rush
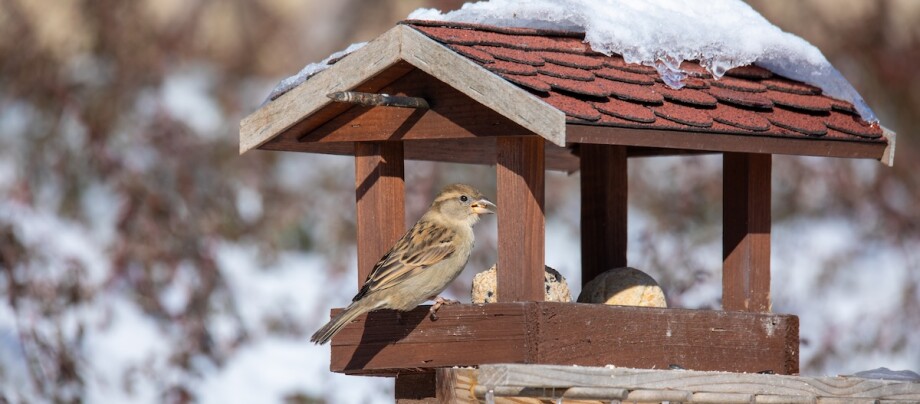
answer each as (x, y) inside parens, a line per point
(595, 89)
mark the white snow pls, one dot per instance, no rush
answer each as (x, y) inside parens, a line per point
(186, 96)
(310, 70)
(721, 34)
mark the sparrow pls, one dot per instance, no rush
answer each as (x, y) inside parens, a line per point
(422, 263)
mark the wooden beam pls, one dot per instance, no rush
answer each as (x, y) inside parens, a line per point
(382, 343)
(452, 115)
(380, 194)
(467, 151)
(759, 388)
(405, 44)
(277, 116)
(521, 221)
(723, 142)
(638, 151)
(746, 232)
(659, 338)
(416, 388)
(603, 209)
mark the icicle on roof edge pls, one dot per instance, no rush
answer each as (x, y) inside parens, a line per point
(721, 34)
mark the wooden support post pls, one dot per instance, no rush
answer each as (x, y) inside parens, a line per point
(521, 222)
(416, 388)
(380, 193)
(746, 232)
(603, 209)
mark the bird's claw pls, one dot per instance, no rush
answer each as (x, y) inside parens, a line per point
(438, 302)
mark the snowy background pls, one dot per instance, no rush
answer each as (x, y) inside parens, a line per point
(143, 260)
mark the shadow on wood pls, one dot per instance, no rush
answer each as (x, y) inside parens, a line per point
(370, 346)
(567, 334)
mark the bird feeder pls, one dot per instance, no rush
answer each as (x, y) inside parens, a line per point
(527, 101)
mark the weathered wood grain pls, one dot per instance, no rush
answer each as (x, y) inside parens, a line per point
(746, 232)
(483, 86)
(401, 43)
(464, 335)
(455, 385)
(888, 155)
(576, 133)
(603, 209)
(569, 334)
(771, 387)
(282, 113)
(643, 337)
(467, 151)
(521, 221)
(380, 194)
(451, 114)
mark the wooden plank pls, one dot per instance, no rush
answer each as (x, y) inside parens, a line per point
(380, 194)
(657, 396)
(722, 398)
(643, 337)
(282, 113)
(538, 394)
(416, 388)
(483, 86)
(576, 133)
(568, 334)
(746, 232)
(467, 151)
(783, 399)
(888, 155)
(455, 385)
(638, 151)
(521, 222)
(603, 209)
(464, 335)
(800, 387)
(452, 114)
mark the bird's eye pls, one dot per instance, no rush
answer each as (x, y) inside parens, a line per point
(463, 198)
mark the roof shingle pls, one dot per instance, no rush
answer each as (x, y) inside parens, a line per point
(595, 89)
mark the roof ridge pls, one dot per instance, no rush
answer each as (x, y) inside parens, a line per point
(496, 28)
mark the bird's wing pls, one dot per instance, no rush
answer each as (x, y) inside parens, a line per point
(424, 245)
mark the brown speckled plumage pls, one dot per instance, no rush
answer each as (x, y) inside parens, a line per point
(423, 262)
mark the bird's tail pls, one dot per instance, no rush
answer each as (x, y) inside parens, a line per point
(324, 334)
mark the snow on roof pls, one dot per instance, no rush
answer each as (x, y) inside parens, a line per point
(594, 89)
(720, 34)
(311, 69)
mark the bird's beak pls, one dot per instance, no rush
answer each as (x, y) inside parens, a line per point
(483, 207)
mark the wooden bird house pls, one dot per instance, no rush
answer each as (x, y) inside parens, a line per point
(527, 101)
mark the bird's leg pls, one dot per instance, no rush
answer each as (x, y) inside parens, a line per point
(438, 302)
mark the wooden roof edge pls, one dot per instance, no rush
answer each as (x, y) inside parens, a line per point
(483, 86)
(276, 116)
(888, 156)
(406, 44)
(724, 142)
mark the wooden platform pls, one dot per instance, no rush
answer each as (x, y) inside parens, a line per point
(507, 383)
(567, 334)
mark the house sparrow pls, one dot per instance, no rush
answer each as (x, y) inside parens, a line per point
(423, 262)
